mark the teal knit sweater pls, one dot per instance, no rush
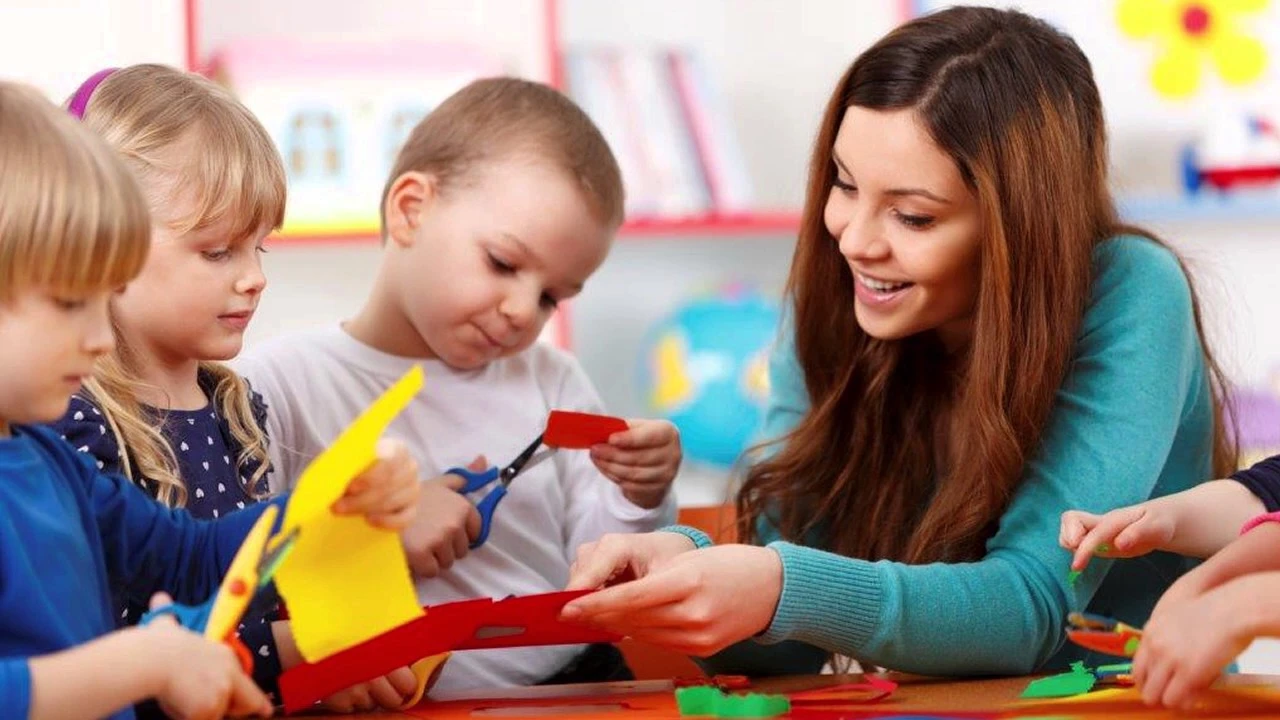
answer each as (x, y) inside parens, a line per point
(1132, 420)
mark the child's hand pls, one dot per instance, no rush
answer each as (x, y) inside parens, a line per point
(642, 460)
(198, 678)
(1127, 532)
(1188, 644)
(388, 692)
(386, 493)
(447, 522)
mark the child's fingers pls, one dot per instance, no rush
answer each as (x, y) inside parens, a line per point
(1157, 681)
(397, 520)
(644, 434)
(452, 481)
(630, 474)
(159, 600)
(462, 543)
(474, 524)
(247, 698)
(1075, 524)
(1135, 537)
(380, 497)
(1180, 692)
(1104, 533)
(1087, 547)
(633, 457)
(384, 695)
(403, 681)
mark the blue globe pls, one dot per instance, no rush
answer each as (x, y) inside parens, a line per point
(705, 368)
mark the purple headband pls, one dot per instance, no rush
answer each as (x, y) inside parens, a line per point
(80, 100)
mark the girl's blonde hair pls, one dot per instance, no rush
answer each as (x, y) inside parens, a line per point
(180, 132)
(72, 218)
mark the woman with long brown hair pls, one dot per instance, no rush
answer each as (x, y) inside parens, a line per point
(975, 344)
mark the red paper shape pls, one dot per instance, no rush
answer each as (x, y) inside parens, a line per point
(871, 690)
(579, 431)
(1104, 641)
(465, 625)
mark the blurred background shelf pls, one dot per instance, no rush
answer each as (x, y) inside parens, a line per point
(1255, 207)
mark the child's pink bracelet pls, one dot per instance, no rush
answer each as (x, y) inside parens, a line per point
(1263, 518)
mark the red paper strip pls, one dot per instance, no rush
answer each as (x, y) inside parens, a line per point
(579, 431)
(466, 625)
(873, 689)
(1105, 642)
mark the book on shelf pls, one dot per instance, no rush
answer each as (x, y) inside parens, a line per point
(669, 128)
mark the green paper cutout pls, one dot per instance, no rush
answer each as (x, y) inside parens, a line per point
(1072, 577)
(711, 701)
(1069, 684)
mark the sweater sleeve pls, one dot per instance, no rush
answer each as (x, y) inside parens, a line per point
(15, 687)
(1137, 363)
(1263, 480)
(151, 547)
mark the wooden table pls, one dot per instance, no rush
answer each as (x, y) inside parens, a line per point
(914, 695)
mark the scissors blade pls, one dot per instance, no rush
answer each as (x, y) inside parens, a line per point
(275, 554)
(531, 462)
(522, 461)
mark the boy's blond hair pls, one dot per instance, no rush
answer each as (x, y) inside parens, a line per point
(180, 132)
(72, 218)
(497, 118)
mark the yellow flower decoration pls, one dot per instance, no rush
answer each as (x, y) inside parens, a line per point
(1190, 30)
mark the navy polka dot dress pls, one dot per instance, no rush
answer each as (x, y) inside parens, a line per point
(216, 485)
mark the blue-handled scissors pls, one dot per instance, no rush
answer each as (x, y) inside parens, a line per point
(477, 480)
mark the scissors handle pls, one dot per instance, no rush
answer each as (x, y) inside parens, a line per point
(486, 507)
(195, 618)
(191, 617)
(475, 479)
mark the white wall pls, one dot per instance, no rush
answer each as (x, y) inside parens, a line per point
(56, 44)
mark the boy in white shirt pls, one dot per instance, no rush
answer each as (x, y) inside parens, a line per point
(502, 203)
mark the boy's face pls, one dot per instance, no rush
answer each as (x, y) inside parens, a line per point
(482, 265)
(48, 346)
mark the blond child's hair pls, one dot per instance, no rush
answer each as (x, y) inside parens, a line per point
(72, 218)
(150, 114)
(497, 118)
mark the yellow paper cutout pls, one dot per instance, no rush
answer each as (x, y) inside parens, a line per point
(230, 602)
(1191, 31)
(1220, 697)
(426, 671)
(345, 581)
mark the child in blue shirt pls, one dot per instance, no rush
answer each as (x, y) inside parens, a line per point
(74, 228)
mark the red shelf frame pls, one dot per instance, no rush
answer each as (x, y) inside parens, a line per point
(710, 226)
(762, 223)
